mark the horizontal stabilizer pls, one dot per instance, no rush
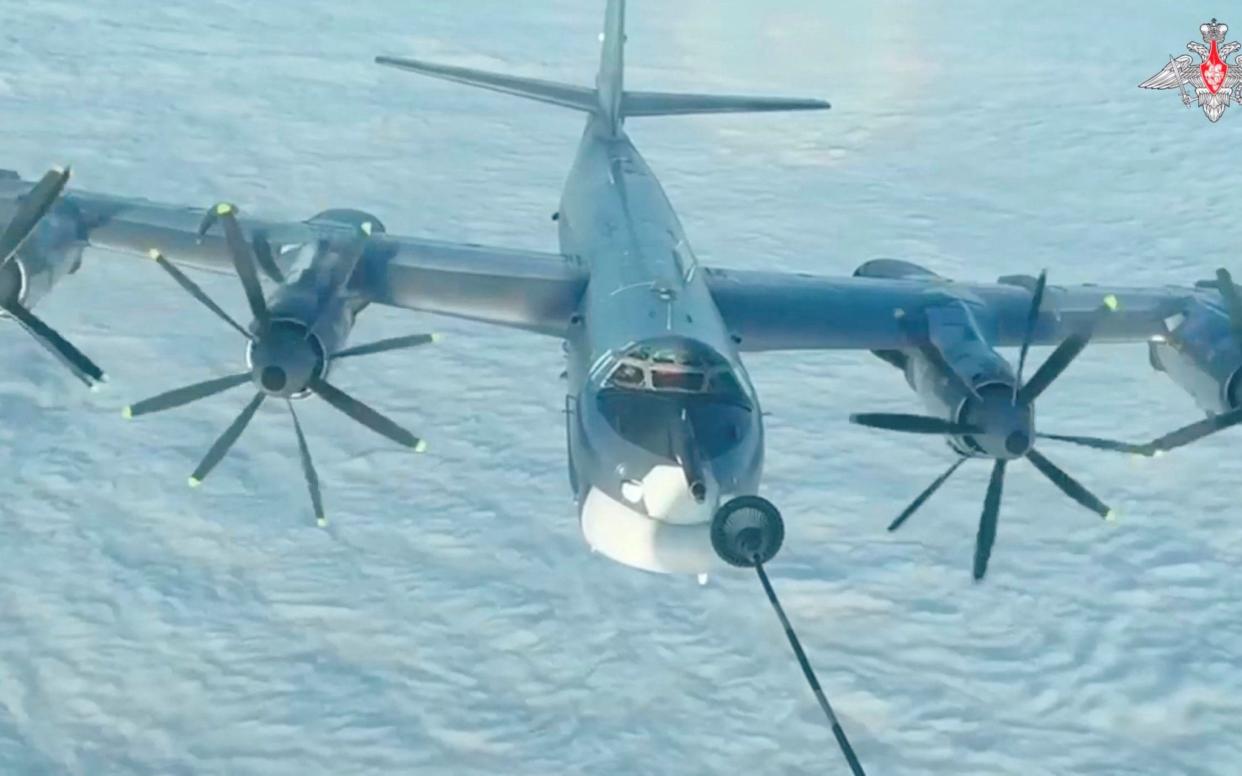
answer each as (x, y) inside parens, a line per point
(666, 104)
(565, 95)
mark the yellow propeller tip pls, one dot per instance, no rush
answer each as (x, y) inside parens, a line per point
(1111, 302)
(321, 521)
(195, 482)
(127, 413)
(420, 446)
(61, 169)
(224, 209)
(154, 255)
(1112, 516)
(436, 337)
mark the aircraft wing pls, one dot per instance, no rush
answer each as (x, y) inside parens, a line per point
(540, 292)
(794, 311)
(520, 289)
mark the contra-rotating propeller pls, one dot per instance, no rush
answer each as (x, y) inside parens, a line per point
(1000, 422)
(1204, 428)
(30, 211)
(285, 362)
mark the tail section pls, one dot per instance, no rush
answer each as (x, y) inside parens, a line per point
(608, 99)
(565, 95)
(610, 83)
(663, 104)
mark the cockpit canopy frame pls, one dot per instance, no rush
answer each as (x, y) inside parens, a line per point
(674, 367)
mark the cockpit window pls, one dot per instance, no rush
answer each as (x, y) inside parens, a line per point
(724, 382)
(671, 371)
(628, 375)
(663, 379)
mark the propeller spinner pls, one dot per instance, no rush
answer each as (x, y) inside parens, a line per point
(285, 359)
(999, 420)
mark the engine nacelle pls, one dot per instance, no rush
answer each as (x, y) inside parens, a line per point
(53, 250)
(953, 331)
(315, 291)
(1201, 355)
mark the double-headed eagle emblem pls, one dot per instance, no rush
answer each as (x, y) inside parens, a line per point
(1214, 81)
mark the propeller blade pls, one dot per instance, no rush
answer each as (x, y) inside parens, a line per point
(1063, 356)
(1098, 443)
(383, 346)
(182, 396)
(33, 207)
(1233, 302)
(367, 416)
(244, 261)
(922, 498)
(1032, 317)
(912, 424)
(1196, 431)
(226, 440)
(987, 522)
(1068, 485)
(267, 260)
(196, 292)
(82, 367)
(308, 469)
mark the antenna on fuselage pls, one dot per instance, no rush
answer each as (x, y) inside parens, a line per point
(748, 532)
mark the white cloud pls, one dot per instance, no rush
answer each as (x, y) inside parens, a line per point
(452, 620)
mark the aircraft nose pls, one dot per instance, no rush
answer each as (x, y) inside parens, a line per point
(668, 494)
(623, 533)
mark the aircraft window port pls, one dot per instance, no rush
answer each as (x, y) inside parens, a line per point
(664, 357)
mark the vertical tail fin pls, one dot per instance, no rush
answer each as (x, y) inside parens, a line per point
(610, 83)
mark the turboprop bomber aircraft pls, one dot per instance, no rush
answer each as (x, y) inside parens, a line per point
(665, 433)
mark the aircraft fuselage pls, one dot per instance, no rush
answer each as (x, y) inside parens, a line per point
(663, 422)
